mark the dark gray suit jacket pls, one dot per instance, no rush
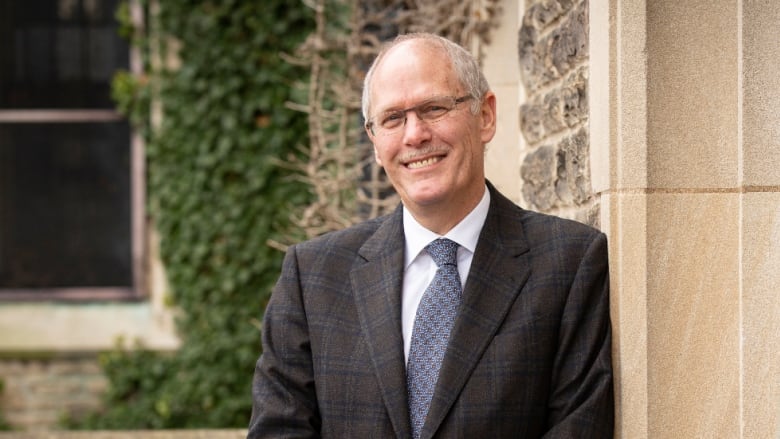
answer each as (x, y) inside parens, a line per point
(529, 355)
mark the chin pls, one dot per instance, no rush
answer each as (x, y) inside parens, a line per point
(425, 198)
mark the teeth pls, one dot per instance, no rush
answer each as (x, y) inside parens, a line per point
(423, 163)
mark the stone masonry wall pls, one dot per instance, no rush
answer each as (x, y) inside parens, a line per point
(39, 392)
(553, 51)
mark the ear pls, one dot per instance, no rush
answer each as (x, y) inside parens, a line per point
(488, 117)
(376, 153)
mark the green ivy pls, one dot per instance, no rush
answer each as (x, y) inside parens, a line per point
(217, 196)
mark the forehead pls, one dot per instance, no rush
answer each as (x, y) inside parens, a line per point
(411, 72)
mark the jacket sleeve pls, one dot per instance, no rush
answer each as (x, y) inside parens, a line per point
(581, 401)
(284, 402)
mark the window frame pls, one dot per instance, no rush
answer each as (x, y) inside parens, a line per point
(138, 230)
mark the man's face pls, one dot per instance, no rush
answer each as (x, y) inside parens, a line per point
(435, 166)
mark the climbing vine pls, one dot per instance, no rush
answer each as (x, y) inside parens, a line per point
(219, 86)
(338, 164)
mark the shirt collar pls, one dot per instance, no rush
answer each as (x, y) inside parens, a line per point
(465, 233)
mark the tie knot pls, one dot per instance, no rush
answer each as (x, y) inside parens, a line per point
(443, 251)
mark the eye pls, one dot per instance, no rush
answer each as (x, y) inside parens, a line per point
(392, 119)
(433, 110)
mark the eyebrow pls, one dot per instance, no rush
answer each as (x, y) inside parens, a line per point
(392, 109)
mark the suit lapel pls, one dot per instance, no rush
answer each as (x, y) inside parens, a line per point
(377, 282)
(498, 272)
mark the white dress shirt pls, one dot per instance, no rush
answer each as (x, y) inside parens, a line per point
(419, 266)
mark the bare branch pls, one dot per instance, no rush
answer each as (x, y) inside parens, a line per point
(346, 184)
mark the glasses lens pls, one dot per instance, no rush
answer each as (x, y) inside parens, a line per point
(435, 109)
(430, 111)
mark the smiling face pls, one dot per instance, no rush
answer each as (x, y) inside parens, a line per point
(436, 167)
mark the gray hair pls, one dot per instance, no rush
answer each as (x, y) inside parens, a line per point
(463, 62)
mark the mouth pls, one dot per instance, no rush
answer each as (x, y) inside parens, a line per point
(424, 158)
(423, 163)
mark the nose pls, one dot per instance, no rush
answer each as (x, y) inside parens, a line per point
(416, 131)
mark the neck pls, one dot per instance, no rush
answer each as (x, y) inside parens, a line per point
(441, 220)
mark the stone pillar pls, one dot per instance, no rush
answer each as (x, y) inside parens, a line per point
(685, 154)
(502, 159)
(759, 204)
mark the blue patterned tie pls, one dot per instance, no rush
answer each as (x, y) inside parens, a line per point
(432, 325)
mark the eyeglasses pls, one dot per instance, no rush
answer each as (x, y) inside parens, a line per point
(431, 111)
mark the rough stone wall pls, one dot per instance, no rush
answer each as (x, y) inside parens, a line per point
(39, 392)
(553, 51)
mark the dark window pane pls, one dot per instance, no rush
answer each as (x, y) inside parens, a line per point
(65, 205)
(59, 54)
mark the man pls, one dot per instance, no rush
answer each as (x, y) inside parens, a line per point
(512, 337)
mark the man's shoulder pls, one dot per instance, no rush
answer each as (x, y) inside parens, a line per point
(556, 225)
(352, 237)
(538, 225)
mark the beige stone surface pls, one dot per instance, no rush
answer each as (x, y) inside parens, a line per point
(691, 204)
(62, 327)
(38, 392)
(601, 99)
(502, 69)
(502, 159)
(761, 91)
(630, 110)
(761, 315)
(624, 219)
(499, 58)
(693, 315)
(692, 93)
(618, 95)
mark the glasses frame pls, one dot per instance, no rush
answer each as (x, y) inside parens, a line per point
(416, 108)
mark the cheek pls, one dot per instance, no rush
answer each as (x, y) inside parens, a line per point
(385, 152)
(473, 157)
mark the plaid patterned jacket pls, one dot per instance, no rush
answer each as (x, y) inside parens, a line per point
(529, 355)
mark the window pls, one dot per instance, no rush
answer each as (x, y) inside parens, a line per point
(71, 204)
